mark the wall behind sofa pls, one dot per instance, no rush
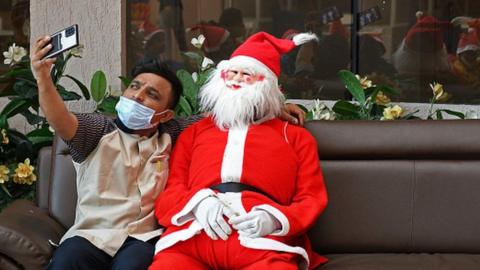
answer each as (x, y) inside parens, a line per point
(101, 31)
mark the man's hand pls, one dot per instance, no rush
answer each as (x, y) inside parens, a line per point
(293, 114)
(41, 67)
(256, 223)
(209, 213)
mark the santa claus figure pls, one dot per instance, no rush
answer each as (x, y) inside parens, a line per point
(244, 186)
(466, 66)
(422, 51)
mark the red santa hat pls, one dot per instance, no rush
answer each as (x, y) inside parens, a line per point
(265, 50)
(290, 33)
(427, 30)
(468, 41)
(215, 36)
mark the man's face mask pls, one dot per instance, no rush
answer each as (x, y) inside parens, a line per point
(134, 115)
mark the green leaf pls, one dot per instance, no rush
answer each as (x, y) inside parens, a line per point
(204, 76)
(347, 109)
(6, 190)
(15, 106)
(33, 119)
(98, 86)
(183, 107)
(58, 68)
(3, 121)
(190, 89)
(108, 105)
(411, 115)
(454, 113)
(40, 136)
(125, 81)
(67, 95)
(353, 85)
(309, 116)
(82, 87)
(25, 90)
(439, 114)
(18, 72)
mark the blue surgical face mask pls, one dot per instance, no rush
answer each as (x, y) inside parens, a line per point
(134, 115)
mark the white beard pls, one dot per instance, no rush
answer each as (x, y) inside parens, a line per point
(251, 104)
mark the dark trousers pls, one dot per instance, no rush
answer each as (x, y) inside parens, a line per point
(77, 253)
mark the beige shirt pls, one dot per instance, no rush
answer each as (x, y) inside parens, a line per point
(117, 185)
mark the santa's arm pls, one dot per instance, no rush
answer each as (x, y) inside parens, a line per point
(173, 206)
(310, 198)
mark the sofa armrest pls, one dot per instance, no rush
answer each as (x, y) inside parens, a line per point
(25, 231)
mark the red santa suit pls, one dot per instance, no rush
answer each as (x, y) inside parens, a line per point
(274, 157)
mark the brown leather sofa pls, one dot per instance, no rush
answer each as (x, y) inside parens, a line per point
(402, 195)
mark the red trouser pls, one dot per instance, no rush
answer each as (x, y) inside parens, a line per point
(200, 252)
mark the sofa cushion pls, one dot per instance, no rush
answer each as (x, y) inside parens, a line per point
(25, 231)
(403, 186)
(420, 261)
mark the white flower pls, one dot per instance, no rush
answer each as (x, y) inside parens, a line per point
(325, 116)
(321, 112)
(14, 54)
(206, 63)
(198, 42)
(195, 76)
(77, 51)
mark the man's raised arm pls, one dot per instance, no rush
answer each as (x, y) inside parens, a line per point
(62, 121)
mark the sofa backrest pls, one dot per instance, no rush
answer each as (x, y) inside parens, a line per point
(62, 189)
(399, 186)
(402, 186)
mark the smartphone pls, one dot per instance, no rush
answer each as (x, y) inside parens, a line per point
(63, 40)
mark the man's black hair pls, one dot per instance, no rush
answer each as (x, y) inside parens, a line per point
(163, 70)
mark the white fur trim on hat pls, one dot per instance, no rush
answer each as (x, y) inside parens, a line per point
(471, 47)
(419, 14)
(461, 20)
(303, 38)
(250, 62)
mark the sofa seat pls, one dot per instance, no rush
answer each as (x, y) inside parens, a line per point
(395, 261)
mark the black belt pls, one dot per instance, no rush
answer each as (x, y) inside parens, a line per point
(237, 187)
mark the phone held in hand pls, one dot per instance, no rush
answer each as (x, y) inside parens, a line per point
(63, 40)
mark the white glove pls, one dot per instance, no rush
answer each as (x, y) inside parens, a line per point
(256, 223)
(209, 213)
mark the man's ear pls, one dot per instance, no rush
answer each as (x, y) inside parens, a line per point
(163, 117)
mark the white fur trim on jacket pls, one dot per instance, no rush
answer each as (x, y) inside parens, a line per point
(270, 244)
(278, 215)
(175, 237)
(185, 215)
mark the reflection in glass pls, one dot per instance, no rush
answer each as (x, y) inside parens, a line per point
(406, 45)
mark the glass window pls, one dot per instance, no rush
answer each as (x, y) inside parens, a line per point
(14, 25)
(403, 44)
